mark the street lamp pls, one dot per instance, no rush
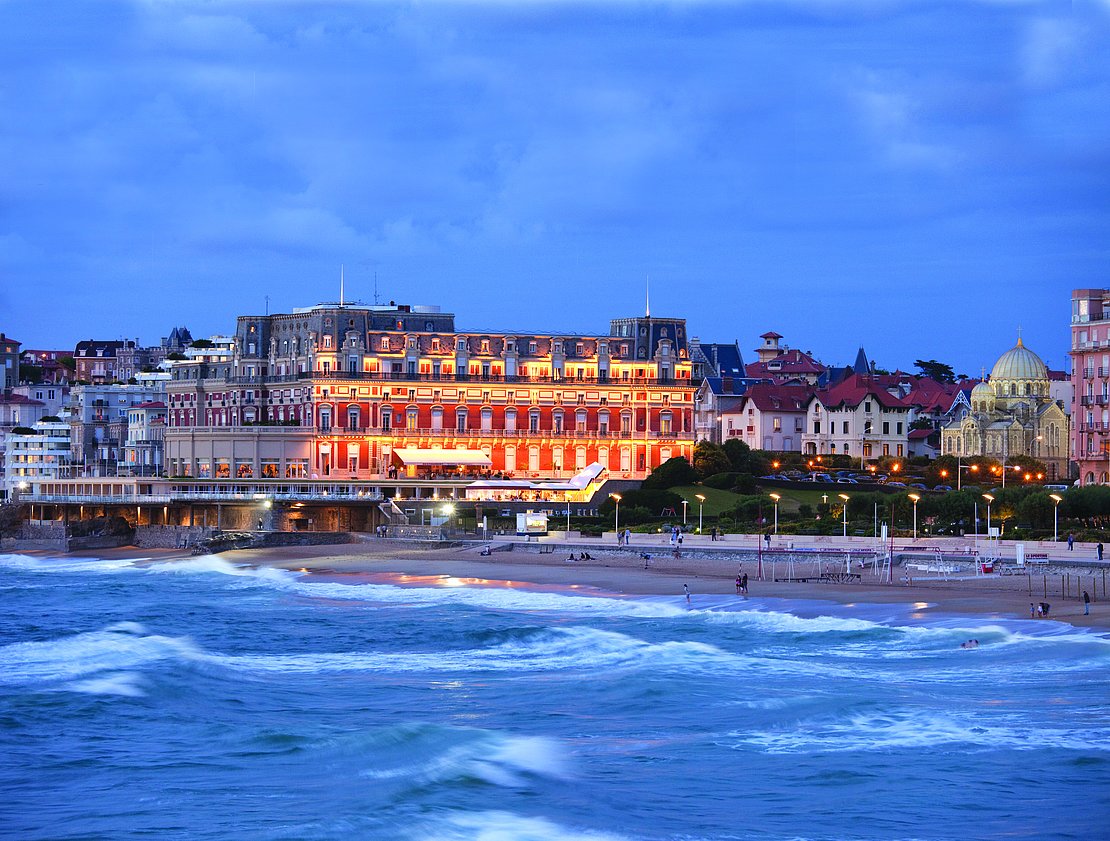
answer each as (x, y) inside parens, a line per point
(701, 508)
(776, 498)
(616, 513)
(685, 502)
(1056, 499)
(845, 497)
(916, 499)
(989, 500)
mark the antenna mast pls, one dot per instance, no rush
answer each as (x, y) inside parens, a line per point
(340, 284)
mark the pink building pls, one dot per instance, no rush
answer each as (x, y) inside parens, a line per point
(1090, 408)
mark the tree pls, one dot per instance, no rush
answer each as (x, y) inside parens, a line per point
(203, 343)
(69, 363)
(674, 471)
(936, 370)
(709, 459)
(30, 373)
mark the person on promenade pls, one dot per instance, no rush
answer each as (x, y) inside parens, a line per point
(1087, 602)
(1071, 542)
(1099, 550)
(627, 536)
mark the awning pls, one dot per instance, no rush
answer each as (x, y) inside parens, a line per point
(469, 458)
(579, 482)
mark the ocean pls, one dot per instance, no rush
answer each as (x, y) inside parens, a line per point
(201, 700)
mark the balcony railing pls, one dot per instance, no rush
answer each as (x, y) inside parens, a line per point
(493, 379)
(424, 432)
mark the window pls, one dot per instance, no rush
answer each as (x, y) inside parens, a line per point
(412, 417)
(387, 418)
(487, 419)
(531, 347)
(776, 424)
(534, 421)
(352, 417)
(886, 427)
(817, 427)
(665, 422)
(510, 420)
(435, 345)
(845, 427)
(461, 345)
(384, 343)
(460, 420)
(485, 345)
(867, 406)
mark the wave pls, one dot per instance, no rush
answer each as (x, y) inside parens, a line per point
(27, 563)
(127, 684)
(427, 754)
(908, 729)
(119, 647)
(505, 826)
(557, 649)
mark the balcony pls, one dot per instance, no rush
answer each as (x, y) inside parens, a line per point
(401, 377)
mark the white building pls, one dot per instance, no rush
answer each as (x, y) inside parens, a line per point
(769, 417)
(36, 457)
(145, 443)
(857, 417)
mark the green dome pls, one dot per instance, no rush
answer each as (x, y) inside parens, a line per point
(1019, 363)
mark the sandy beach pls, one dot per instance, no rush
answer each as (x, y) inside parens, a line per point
(623, 572)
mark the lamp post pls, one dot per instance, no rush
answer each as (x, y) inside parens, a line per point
(916, 499)
(776, 498)
(616, 513)
(845, 497)
(1056, 499)
(989, 500)
(701, 507)
(685, 502)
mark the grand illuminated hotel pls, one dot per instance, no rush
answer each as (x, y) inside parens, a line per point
(344, 391)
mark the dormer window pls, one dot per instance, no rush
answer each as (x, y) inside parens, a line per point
(531, 347)
(384, 344)
(461, 345)
(485, 345)
(435, 344)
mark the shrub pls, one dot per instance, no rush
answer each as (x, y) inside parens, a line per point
(721, 481)
(672, 472)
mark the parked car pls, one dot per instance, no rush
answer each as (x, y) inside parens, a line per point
(919, 486)
(896, 484)
(847, 482)
(822, 477)
(1055, 487)
(944, 488)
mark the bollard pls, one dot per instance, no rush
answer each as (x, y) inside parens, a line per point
(1046, 586)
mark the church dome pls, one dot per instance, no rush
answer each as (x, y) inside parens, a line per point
(1019, 363)
(982, 398)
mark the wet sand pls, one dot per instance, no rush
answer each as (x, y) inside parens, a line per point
(623, 572)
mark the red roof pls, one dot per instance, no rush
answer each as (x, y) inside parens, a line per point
(21, 400)
(152, 404)
(791, 362)
(852, 391)
(769, 397)
(920, 434)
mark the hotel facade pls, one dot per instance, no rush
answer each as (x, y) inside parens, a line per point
(352, 392)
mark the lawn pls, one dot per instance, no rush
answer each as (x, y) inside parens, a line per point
(717, 502)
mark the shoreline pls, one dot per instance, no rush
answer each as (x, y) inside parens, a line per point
(622, 573)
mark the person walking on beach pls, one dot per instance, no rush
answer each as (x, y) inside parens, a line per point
(1032, 611)
(1087, 602)
(744, 584)
(739, 583)
(686, 590)
(1071, 542)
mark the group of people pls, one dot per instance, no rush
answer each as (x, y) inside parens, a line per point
(676, 541)
(1039, 610)
(585, 556)
(624, 537)
(1098, 547)
(741, 583)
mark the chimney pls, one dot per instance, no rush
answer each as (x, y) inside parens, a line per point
(726, 385)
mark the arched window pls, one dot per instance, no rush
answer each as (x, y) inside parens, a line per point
(437, 418)
(534, 420)
(580, 458)
(387, 417)
(557, 421)
(460, 419)
(603, 422)
(487, 418)
(580, 420)
(510, 420)
(325, 418)
(665, 423)
(412, 417)
(352, 417)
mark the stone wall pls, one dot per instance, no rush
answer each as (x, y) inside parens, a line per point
(415, 532)
(171, 537)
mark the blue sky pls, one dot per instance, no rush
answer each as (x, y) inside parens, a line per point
(921, 177)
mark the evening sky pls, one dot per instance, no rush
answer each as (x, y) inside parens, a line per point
(923, 178)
